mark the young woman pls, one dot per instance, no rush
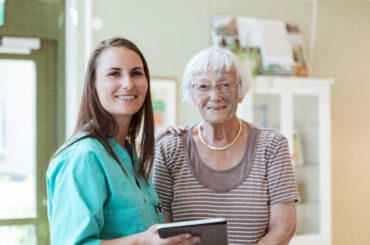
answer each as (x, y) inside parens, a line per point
(98, 188)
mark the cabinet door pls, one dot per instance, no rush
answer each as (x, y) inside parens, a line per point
(266, 110)
(306, 160)
(297, 118)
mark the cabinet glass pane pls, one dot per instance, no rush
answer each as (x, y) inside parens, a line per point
(266, 110)
(306, 161)
(17, 139)
(18, 235)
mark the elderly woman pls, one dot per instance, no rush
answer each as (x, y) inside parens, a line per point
(224, 166)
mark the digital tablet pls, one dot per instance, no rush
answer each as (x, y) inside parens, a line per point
(210, 231)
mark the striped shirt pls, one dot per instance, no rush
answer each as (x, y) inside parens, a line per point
(190, 190)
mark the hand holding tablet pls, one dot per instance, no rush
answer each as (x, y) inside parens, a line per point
(211, 231)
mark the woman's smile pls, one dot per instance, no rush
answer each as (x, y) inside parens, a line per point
(216, 108)
(126, 98)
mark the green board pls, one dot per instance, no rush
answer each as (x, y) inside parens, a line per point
(2, 12)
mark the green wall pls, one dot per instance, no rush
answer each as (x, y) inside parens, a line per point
(42, 19)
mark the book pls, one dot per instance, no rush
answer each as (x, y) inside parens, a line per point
(296, 40)
(211, 231)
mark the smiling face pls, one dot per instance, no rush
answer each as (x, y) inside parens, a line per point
(120, 82)
(218, 105)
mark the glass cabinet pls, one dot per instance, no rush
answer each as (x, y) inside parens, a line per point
(300, 109)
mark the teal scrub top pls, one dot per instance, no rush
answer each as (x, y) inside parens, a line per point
(91, 199)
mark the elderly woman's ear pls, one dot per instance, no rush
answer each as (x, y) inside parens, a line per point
(240, 100)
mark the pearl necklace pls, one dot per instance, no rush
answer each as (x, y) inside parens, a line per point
(222, 147)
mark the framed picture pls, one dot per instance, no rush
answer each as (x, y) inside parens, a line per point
(164, 99)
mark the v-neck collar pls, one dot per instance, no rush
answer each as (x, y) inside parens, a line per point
(221, 180)
(131, 160)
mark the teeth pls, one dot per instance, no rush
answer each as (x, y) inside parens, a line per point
(126, 97)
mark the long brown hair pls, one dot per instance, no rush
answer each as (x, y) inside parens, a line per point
(100, 124)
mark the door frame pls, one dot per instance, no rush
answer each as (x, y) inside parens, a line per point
(46, 131)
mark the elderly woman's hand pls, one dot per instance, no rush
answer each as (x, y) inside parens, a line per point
(174, 130)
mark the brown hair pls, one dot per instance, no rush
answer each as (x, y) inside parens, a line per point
(100, 124)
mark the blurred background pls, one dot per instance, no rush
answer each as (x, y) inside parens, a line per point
(44, 48)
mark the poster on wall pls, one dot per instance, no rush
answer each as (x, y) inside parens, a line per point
(269, 47)
(164, 100)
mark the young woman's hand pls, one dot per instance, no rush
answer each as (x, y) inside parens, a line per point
(151, 237)
(175, 130)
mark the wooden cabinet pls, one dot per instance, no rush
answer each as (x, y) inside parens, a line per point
(300, 109)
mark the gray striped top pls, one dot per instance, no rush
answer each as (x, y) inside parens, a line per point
(191, 190)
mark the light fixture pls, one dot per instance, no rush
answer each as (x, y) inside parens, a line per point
(74, 15)
(5, 50)
(19, 45)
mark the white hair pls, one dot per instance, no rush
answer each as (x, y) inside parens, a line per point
(215, 59)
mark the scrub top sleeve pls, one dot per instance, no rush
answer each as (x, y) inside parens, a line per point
(79, 194)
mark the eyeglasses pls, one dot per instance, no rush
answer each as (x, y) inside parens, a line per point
(224, 87)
